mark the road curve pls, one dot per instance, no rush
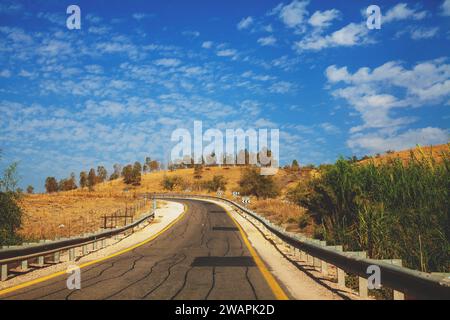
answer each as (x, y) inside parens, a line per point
(202, 256)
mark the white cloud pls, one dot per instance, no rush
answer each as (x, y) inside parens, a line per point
(190, 33)
(10, 7)
(167, 62)
(245, 23)
(445, 8)
(281, 87)
(424, 33)
(5, 73)
(293, 14)
(323, 19)
(374, 93)
(226, 53)
(267, 41)
(100, 30)
(140, 16)
(207, 44)
(401, 11)
(380, 142)
(350, 35)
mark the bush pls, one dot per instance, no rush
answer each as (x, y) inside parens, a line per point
(171, 183)
(10, 212)
(10, 219)
(392, 210)
(215, 184)
(252, 183)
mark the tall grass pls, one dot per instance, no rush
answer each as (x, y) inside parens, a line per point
(392, 210)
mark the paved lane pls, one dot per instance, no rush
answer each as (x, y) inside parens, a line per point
(203, 256)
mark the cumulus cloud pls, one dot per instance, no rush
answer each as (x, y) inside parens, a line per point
(207, 45)
(401, 11)
(281, 87)
(293, 14)
(267, 41)
(227, 53)
(245, 23)
(380, 142)
(424, 33)
(323, 19)
(5, 73)
(167, 62)
(348, 36)
(445, 8)
(374, 93)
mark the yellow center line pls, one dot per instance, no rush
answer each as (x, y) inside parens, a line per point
(59, 273)
(270, 279)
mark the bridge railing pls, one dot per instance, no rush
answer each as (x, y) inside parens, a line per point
(404, 281)
(20, 259)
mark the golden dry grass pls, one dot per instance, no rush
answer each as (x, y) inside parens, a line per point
(68, 214)
(80, 211)
(434, 152)
(283, 213)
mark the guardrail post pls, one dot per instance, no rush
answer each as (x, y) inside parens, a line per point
(317, 263)
(94, 245)
(103, 243)
(4, 272)
(24, 265)
(362, 282)
(84, 250)
(40, 261)
(397, 295)
(71, 254)
(56, 257)
(340, 274)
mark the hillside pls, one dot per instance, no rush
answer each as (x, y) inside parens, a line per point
(434, 152)
(81, 211)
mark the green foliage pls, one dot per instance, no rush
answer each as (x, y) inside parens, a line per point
(171, 183)
(198, 169)
(10, 218)
(136, 174)
(30, 189)
(392, 210)
(102, 174)
(252, 183)
(83, 179)
(216, 183)
(67, 184)
(10, 212)
(51, 185)
(132, 174)
(91, 179)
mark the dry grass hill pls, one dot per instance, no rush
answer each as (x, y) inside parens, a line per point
(79, 211)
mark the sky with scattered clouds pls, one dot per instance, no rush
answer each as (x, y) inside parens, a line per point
(114, 91)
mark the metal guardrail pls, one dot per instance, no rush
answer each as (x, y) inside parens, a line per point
(413, 283)
(39, 251)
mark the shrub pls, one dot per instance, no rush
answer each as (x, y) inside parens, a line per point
(216, 183)
(10, 218)
(171, 183)
(392, 210)
(252, 183)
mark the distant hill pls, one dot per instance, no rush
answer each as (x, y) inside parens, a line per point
(419, 152)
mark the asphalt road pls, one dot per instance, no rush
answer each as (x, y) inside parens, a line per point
(202, 256)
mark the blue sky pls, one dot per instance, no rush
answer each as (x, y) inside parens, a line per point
(114, 91)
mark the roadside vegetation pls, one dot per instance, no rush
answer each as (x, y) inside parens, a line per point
(10, 212)
(392, 209)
